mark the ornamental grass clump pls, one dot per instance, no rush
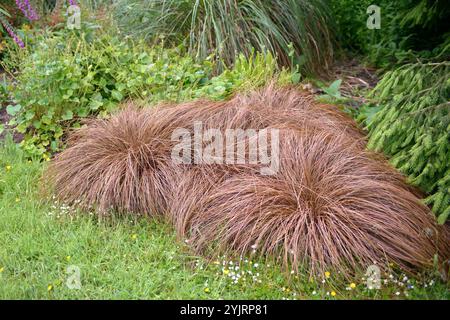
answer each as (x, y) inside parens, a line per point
(117, 164)
(330, 205)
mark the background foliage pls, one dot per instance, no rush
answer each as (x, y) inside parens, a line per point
(409, 28)
(297, 32)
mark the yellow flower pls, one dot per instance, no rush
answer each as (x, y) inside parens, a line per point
(49, 287)
(206, 290)
(29, 161)
(327, 274)
(352, 285)
(8, 168)
(134, 236)
(68, 258)
(226, 271)
(17, 199)
(26, 27)
(333, 293)
(2, 269)
(216, 262)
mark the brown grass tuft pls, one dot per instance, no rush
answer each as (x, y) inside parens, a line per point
(331, 205)
(117, 164)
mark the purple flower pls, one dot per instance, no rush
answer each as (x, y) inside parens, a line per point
(27, 9)
(72, 2)
(10, 30)
(32, 15)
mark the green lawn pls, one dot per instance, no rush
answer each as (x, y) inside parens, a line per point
(124, 259)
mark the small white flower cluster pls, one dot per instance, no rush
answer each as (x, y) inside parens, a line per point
(60, 210)
(243, 271)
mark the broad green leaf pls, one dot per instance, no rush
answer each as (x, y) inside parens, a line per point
(68, 115)
(116, 95)
(12, 110)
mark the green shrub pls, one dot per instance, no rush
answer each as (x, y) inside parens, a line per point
(409, 28)
(231, 27)
(350, 17)
(413, 128)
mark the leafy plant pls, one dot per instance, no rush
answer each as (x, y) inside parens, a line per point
(413, 128)
(230, 27)
(332, 92)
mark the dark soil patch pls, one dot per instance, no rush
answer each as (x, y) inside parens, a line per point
(357, 81)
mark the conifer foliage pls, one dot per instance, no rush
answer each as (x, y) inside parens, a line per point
(413, 128)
